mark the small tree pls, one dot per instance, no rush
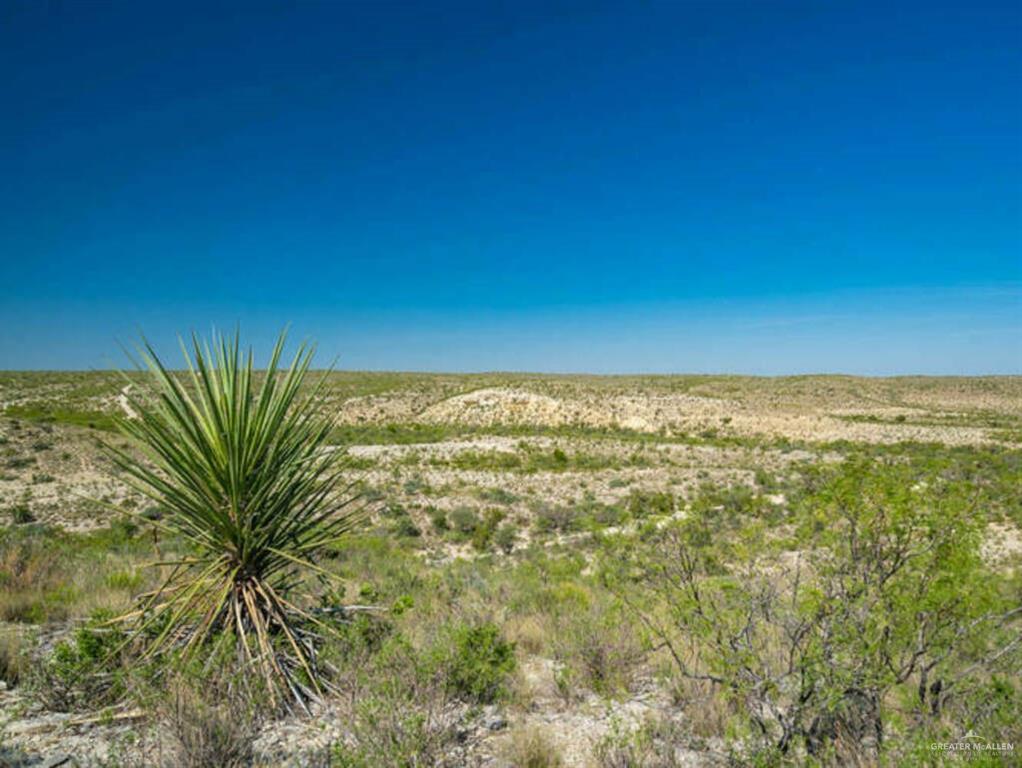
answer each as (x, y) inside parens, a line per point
(883, 592)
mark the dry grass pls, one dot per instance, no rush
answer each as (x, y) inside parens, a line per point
(600, 649)
(209, 727)
(528, 633)
(46, 578)
(28, 578)
(707, 713)
(532, 747)
(15, 661)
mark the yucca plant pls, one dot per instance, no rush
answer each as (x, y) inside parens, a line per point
(242, 472)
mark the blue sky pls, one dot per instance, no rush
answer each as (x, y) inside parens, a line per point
(763, 187)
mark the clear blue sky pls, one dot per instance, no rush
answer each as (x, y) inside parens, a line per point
(761, 187)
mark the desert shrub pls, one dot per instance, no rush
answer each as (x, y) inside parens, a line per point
(21, 514)
(464, 520)
(406, 528)
(544, 583)
(46, 416)
(886, 600)
(602, 514)
(642, 504)
(390, 434)
(393, 510)
(126, 580)
(499, 461)
(556, 518)
(438, 518)
(479, 664)
(560, 461)
(30, 578)
(370, 493)
(84, 671)
(211, 721)
(726, 510)
(529, 633)
(599, 647)
(416, 485)
(765, 481)
(483, 535)
(47, 574)
(401, 523)
(383, 568)
(361, 635)
(497, 496)
(401, 712)
(505, 538)
(529, 459)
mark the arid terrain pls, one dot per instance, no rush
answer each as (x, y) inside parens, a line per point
(493, 499)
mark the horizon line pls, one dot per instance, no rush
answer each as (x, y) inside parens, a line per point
(564, 374)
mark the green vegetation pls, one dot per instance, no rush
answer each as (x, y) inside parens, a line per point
(83, 671)
(875, 610)
(480, 663)
(759, 600)
(390, 434)
(97, 420)
(49, 575)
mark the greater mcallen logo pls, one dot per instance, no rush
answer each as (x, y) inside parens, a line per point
(972, 742)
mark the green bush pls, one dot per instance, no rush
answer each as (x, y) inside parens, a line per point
(555, 518)
(483, 535)
(480, 662)
(84, 671)
(645, 503)
(361, 635)
(21, 514)
(599, 647)
(765, 481)
(464, 520)
(401, 522)
(497, 496)
(439, 520)
(505, 538)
